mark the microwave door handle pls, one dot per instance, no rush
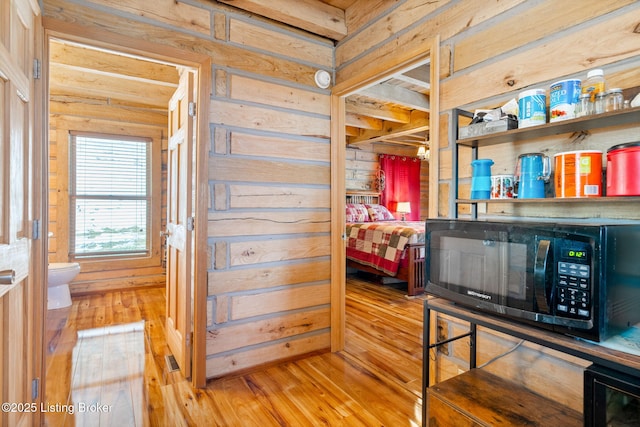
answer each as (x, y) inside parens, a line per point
(539, 275)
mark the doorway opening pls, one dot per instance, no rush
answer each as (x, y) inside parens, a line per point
(395, 65)
(124, 91)
(108, 118)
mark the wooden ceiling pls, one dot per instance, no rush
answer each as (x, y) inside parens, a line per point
(395, 111)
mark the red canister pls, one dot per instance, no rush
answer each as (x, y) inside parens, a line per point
(623, 170)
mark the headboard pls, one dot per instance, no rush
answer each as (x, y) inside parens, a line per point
(363, 196)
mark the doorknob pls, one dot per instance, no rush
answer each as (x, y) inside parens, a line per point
(165, 233)
(7, 277)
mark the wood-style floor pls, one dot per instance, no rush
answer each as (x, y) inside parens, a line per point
(107, 353)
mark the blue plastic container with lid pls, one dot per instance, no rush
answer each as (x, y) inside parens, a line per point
(481, 178)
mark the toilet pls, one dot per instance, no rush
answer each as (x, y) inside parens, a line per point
(60, 274)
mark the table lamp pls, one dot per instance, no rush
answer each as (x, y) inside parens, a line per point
(403, 208)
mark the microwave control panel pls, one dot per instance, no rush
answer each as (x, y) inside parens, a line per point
(573, 290)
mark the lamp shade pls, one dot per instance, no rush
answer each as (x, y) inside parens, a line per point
(403, 207)
(424, 153)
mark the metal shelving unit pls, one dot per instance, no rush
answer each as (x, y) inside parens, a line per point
(582, 124)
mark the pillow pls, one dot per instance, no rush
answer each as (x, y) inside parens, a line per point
(379, 213)
(357, 213)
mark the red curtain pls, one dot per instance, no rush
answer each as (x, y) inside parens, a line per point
(402, 184)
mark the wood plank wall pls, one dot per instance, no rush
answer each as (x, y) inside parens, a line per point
(269, 171)
(490, 51)
(270, 219)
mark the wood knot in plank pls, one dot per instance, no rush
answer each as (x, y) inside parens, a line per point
(248, 252)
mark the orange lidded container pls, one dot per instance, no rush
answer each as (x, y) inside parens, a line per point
(578, 174)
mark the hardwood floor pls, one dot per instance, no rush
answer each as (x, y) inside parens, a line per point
(106, 363)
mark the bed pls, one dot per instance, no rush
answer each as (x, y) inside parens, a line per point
(377, 243)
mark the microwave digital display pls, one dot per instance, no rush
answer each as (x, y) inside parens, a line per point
(574, 254)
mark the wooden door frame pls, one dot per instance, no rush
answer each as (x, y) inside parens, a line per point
(402, 60)
(41, 210)
(202, 63)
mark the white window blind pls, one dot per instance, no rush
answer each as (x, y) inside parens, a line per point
(110, 195)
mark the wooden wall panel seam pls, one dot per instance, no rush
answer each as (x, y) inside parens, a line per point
(384, 26)
(264, 344)
(119, 9)
(291, 272)
(367, 12)
(303, 47)
(443, 22)
(262, 105)
(293, 347)
(492, 33)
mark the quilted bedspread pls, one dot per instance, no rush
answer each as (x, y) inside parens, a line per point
(381, 244)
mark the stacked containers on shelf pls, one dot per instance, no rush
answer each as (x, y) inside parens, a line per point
(577, 172)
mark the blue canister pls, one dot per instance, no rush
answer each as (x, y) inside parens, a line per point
(532, 171)
(563, 98)
(481, 178)
(532, 108)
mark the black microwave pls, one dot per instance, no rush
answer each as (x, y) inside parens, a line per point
(580, 279)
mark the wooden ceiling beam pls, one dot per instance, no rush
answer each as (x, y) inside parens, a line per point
(363, 122)
(310, 15)
(400, 142)
(351, 131)
(418, 138)
(397, 95)
(107, 110)
(391, 132)
(364, 139)
(378, 110)
(110, 64)
(71, 82)
(418, 76)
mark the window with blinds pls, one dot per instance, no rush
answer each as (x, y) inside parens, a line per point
(110, 195)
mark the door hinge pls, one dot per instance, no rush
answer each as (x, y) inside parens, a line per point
(36, 68)
(191, 223)
(35, 232)
(35, 388)
(192, 109)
